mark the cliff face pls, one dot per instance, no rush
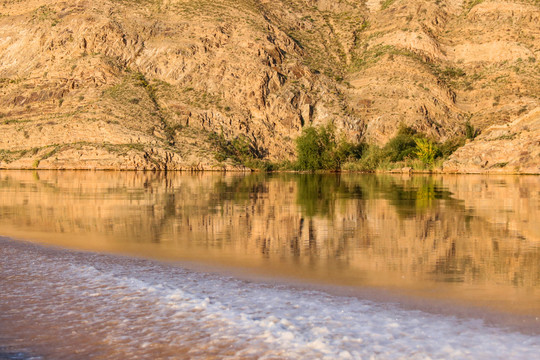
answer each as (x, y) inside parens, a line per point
(125, 84)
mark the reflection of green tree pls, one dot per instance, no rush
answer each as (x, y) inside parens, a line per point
(409, 197)
(317, 193)
(425, 196)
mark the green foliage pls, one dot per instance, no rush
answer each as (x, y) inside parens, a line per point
(309, 148)
(449, 146)
(426, 150)
(14, 121)
(45, 13)
(170, 130)
(237, 148)
(402, 146)
(52, 152)
(347, 150)
(386, 3)
(470, 131)
(140, 80)
(372, 157)
(241, 151)
(453, 72)
(365, 25)
(318, 148)
(407, 148)
(473, 3)
(8, 155)
(315, 148)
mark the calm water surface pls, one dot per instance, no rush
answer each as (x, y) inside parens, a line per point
(269, 266)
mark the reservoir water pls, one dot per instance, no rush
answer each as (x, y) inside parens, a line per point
(168, 265)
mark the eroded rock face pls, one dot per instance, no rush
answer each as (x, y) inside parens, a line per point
(510, 148)
(89, 80)
(144, 84)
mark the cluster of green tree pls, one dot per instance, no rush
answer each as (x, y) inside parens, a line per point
(320, 149)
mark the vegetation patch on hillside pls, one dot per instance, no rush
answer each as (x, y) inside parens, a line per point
(320, 149)
(241, 151)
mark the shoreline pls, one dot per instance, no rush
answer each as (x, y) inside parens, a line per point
(397, 171)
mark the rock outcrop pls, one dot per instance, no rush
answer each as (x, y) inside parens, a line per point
(111, 84)
(510, 148)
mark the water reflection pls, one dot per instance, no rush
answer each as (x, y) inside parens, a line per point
(317, 194)
(421, 232)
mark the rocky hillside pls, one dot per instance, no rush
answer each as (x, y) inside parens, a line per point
(158, 84)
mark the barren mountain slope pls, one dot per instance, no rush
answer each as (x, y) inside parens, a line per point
(154, 84)
(144, 84)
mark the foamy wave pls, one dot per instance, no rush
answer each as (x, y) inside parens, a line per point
(144, 309)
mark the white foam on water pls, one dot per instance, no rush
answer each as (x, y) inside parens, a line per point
(139, 307)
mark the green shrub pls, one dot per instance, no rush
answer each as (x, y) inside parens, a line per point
(241, 150)
(348, 150)
(453, 72)
(426, 150)
(417, 164)
(238, 149)
(470, 131)
(318, 148)
(407, 148)
(402, 146)
(310, 147)
(386, 3)
(448, 147)
(473, 3)
(371, 158)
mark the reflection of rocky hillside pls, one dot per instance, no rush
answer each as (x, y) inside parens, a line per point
(507, 202)
(419, 227)
(143, 84)
(416, 227)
